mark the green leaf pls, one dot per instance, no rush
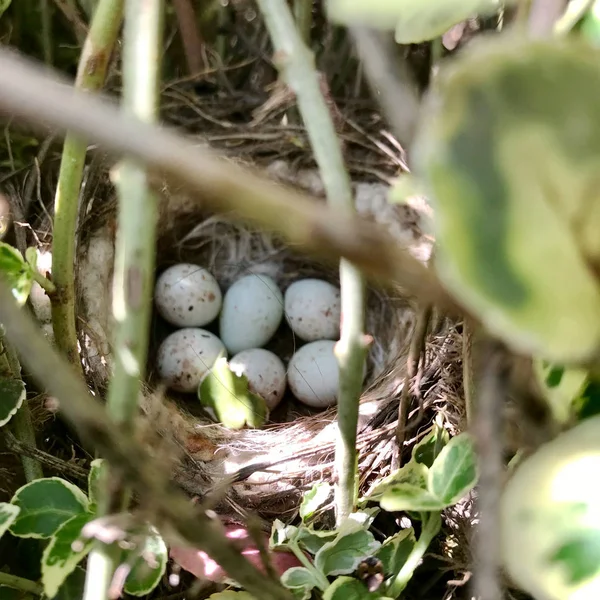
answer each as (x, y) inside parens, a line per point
(406, 497)
(299, 578)
(590, 24)
(395, 550)
(149, 567)
(412, 473)
(8, 515)
(415, 21)
(72, 588)
(4, 4)
(588, 403)
(7, 593)
(579, 556)
(31, 257)
(314, 499)
(561, 387)
(97, 470)
(229, 396)
(16, 272)
(427, 450)
(534, 157)
(348, 588)
(281, 534)
(312, 541)
(60, 557)
(12, 395)
(45, 505)
(454, 472)
(344, 554)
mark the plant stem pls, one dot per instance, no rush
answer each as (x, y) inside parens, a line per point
(321, 580)
(46, 13)
(149, 479)
(303, 17)
(18, 583)
(297, 66)
(91, 74)
(47, 285)
(222, 187)
(432, 523)
(20, 422)
(467, 364)
(134, 254)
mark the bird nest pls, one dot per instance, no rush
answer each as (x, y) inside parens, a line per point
(267, 469)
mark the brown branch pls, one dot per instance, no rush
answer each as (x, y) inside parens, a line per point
(193, 45)
(128, 458)
(222, 186)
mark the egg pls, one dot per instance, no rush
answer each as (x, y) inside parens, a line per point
(252, 311)
(186, 356)
(312, 308)
(187, 295)
(313, 374)
(265, 372)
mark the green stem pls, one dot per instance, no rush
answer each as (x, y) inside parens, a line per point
(18, 583)
(21, 422)
(303, 18)
(467, 363)
(296, 63)
(572, 15)
(135, 248)
(432, 523)
(91, 74)
(44, 282)
(321, 580)
(46, 12)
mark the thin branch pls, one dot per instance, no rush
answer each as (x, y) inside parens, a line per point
(222, 186)
(134, 464)
(91, 73)
(296, 63)
(19, 583)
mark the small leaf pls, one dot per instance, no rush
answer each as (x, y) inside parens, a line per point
(97, 470)
(231, 595)
(45, 505)
(229, 396)
(406, 497)
(281, 534)
(60, 558)
(149, 567)
(31, 256)
(12, 395)
(8, 515)
(395, 550)
(348, 588)
(299, 579)
(16, 272)
(427, 450)
(312, 541)
(314, 499)
(454, 472)
(343, 555)
(412, 473)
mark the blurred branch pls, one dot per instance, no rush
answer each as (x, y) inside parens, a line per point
(221, 185)
(193, 46)
(72, 15)
(543, 15)
(125, 455)
(390, 81)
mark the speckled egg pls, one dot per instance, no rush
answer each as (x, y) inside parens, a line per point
(265, 373)
(312, 309)
(313, 374)
(252, 311)
(185, 357)
(187, 295)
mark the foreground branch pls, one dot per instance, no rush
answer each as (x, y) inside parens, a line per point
(133, 463)
(221, 185)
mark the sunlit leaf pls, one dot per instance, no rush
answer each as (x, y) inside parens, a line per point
(61, 557)
(314, 499)
(4, 4)
(344, 554)
(8, 515)
(149, 567)
(12, 395)
(502, 146)
(16, 272)
(549, 517)
(454, 472)
(412, 473)
(395, 550)
(301, 579)
(281, 534)
(406, 497)
(72, 588)
(427, 450)
(228, 395)
(45, 505)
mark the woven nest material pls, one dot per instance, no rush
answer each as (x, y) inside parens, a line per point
(272, 466)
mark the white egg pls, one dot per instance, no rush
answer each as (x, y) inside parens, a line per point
(186, 356)
(312, 308)
(252, 312)
(265, 373)
(187, 295)
(313, 374)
